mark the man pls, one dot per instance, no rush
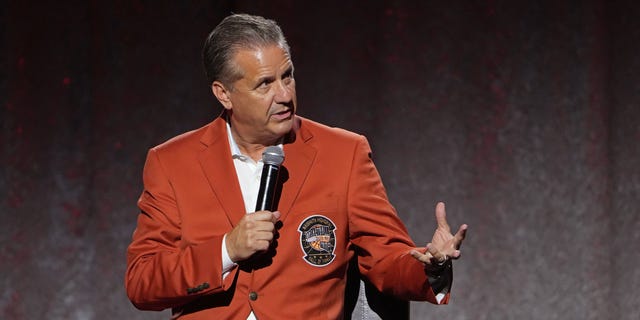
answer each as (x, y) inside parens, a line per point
(201, 250)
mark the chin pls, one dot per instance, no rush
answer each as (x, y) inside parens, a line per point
(283, 127)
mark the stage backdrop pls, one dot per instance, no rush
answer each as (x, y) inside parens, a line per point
(522, 115)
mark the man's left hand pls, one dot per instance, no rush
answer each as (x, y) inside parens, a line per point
(443, 245)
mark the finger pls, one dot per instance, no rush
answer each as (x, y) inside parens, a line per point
(260, 245)
(263, 216)
(460, 235)
(269, 216)
(441, 216)
(437, 255)
(424, 258)
(262, 226)
(254, 222)
(263, 236)
(275, 216)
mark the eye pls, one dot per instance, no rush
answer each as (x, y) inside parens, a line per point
(288, 74)
(287, 77)
(264, 84)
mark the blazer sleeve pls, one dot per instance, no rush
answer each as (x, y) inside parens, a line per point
(381, 239)
(164, 271)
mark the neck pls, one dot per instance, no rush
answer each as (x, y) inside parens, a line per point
(253, 150)
(250, 146)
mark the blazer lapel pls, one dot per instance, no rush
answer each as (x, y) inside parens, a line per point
(298, 158)
(217, 164)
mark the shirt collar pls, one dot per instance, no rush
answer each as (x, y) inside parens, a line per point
(235, 150)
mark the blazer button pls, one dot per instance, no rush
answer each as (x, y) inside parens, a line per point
(253, 296)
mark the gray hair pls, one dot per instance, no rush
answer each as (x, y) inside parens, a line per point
(235, 32)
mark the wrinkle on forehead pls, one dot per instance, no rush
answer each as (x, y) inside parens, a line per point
(262, 60)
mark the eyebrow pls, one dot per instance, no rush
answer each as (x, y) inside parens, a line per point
(289, 70)
(269, 79)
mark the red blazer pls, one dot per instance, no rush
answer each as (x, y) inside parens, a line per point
(333, 205)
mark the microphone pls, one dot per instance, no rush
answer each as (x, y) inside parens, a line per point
(272, 158)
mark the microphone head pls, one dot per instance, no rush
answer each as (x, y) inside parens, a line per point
(273, 155)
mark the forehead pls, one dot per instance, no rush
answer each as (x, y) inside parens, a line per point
(262, 59)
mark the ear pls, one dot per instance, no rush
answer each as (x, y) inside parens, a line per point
(222, 94)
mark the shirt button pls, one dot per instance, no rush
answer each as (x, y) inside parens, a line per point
(253, 296)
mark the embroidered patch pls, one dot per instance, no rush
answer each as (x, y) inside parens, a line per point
(318, 240)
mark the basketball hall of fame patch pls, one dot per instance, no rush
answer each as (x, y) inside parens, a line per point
(318, 240)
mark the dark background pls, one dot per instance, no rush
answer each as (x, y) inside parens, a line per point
(522, 115)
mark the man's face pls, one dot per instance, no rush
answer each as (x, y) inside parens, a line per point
(263, 101)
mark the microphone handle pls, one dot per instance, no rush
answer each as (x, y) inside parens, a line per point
(267, 189)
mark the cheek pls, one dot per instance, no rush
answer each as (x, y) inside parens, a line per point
(253, 107)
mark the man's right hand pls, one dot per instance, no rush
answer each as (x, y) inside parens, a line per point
(252, 234)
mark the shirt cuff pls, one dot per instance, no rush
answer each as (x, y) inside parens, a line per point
(227, 263)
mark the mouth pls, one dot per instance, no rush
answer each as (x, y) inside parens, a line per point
(282, 115)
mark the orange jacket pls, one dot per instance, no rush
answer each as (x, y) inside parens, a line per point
(333, 205)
